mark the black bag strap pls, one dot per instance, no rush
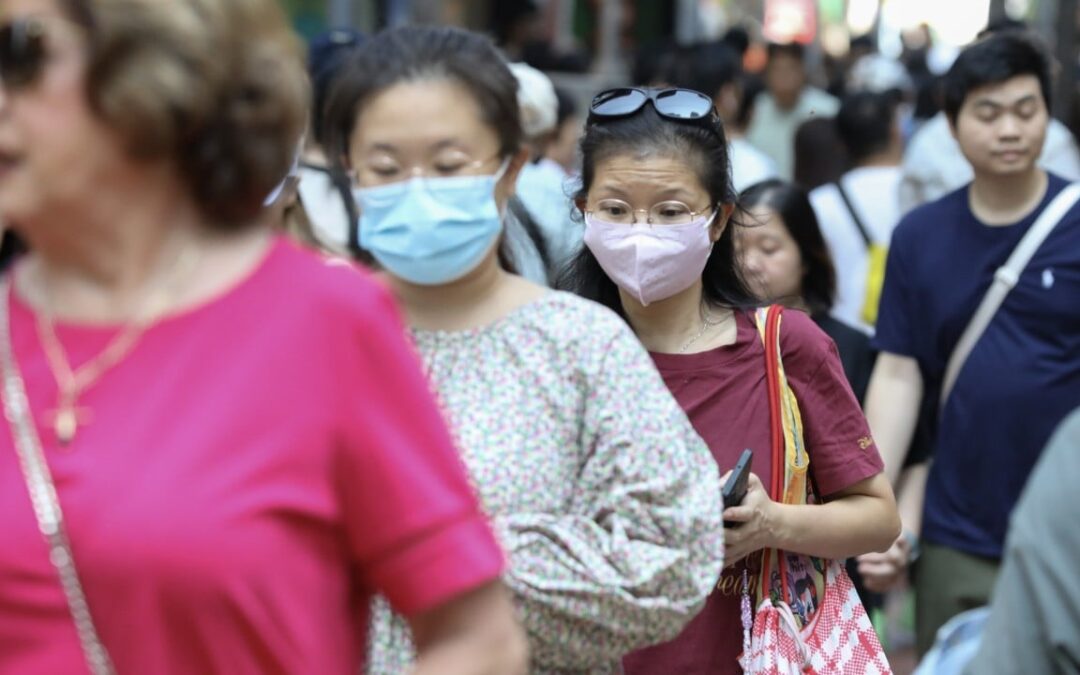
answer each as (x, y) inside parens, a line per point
(854, 214)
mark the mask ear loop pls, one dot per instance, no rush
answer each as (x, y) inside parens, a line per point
(501, 171)
(495, 178)
(708, 224)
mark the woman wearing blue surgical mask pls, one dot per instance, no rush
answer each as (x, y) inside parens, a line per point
(657, 200)
(604, 497)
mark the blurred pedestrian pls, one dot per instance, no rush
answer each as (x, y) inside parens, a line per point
(715, 70)
(789, 100)
(859, 211)
(820, 156)
(1033, 625)
(542, 186)
(221, 445)
(323, 195)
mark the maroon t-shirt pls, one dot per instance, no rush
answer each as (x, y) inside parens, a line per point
(723, 392)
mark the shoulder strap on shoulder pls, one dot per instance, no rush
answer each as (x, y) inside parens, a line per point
(854, 214)
(1005, 278)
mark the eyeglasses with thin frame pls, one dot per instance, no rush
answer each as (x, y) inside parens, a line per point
(661, 214)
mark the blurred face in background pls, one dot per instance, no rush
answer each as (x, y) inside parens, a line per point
(772, 263)
(785, 78)
(1001, 127)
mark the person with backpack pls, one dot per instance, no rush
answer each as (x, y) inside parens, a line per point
(859, 211)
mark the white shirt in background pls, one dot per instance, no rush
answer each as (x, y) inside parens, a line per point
(546, 190)
(773, 130)
(325, 207)
(748, 164)
(875, 194)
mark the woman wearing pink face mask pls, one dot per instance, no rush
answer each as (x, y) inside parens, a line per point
(657, 198)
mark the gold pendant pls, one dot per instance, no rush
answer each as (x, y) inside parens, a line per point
(66, 424)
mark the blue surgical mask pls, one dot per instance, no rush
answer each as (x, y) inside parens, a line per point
(431, 231)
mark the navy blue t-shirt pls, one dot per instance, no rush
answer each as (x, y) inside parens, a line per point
(1021, 379)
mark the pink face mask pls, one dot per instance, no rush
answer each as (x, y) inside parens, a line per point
(650, 262)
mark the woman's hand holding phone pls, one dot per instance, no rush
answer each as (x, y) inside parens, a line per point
(756, 520)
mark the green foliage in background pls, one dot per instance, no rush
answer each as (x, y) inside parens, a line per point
(309, 16)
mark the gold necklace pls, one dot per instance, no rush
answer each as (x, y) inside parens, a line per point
(707, 322)
(71, 383)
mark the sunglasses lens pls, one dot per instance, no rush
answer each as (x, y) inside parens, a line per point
(683, 104)
(615, 102)
(22, 53)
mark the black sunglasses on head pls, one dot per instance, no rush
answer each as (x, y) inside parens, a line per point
(682, 105)
(22, 53)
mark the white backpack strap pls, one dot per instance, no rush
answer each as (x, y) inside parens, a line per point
(1005, 278)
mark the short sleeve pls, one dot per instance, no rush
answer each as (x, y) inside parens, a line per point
(897, 311)
(842, 451)
(413, 523)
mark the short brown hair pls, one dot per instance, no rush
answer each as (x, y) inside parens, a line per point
(217, 86)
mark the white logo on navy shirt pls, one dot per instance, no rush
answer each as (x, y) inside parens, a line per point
(1048, 278)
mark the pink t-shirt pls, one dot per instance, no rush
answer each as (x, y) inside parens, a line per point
(254, 471)
(724, 393)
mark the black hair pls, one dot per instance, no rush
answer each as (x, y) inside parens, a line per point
(738, 38)
(752, 88)
(326, 55)
(865, 41)
(820, 155)
(566, 106)
(704, 67)
(792, 49)
(865, 123)
(999, 57)
(702, 146)
(651, 62)
(793, 206)
(417, 52)
(506, 15)
(1000, 25)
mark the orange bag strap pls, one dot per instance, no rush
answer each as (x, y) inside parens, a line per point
(776, 436)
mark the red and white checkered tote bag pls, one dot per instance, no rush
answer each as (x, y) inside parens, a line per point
(838, 638)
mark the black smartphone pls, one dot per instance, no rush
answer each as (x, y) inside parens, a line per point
(738, 483)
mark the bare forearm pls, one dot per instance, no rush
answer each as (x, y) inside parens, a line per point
(892, 409)
(475, 634)
(475, 657)
(842, 528)
(910, 494)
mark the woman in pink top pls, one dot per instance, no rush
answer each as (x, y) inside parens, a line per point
(241, 442)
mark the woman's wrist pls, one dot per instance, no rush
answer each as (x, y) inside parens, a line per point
(778, 529)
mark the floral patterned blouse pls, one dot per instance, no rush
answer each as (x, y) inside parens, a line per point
(604, 497)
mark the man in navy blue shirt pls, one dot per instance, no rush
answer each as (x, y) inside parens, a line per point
(1023, 375)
